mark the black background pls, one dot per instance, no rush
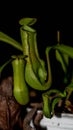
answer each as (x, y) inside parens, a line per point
(50, 16)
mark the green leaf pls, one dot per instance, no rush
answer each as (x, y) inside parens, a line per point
(65, 49)
(63, 59)
(7, 39)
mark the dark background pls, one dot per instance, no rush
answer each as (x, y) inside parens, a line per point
(50, 16)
